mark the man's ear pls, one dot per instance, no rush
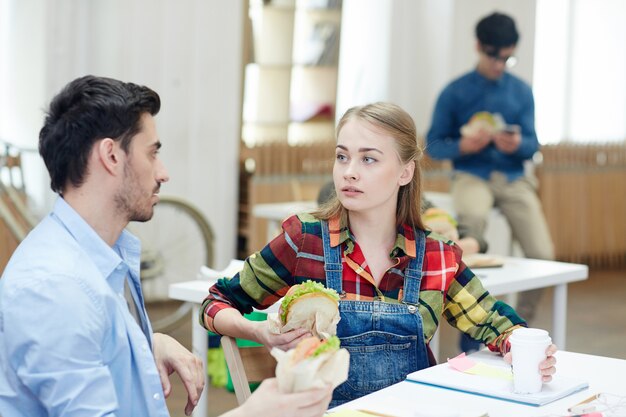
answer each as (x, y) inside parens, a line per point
(108, 153)
(407, 173)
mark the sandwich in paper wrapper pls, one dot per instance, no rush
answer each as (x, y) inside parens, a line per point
(313, 363)
(440, 222)
(310, 306)
(490, 122)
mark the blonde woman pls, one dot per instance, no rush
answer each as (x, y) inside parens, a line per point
(368, 243)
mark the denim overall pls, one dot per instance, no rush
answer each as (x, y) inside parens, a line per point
(385, 341)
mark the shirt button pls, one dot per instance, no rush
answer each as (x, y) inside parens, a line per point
(157, 396)
(144, 346)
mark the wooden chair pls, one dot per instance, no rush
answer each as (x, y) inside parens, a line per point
(247, 364)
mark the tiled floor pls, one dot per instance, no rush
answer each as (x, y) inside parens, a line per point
(596, 325)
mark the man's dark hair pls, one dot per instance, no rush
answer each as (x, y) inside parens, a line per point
(86, 110)
(497, 31)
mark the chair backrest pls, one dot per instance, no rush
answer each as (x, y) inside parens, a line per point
(247, 364)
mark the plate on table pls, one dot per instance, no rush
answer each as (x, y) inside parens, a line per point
(483, 260)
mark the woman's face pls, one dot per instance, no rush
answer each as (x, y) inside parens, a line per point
(368, 172)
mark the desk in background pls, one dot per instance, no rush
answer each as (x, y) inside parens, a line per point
(275, 213)
(605, 375)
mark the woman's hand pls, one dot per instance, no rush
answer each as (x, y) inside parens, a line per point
(283, 341)
(547, 367)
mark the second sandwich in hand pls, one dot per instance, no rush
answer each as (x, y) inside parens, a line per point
(313, 363)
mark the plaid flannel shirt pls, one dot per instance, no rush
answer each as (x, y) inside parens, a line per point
(448, 288)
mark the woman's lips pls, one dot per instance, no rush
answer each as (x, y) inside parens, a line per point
(351, 191)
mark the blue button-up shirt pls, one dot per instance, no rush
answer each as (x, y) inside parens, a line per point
(68, 343)
(473, 93)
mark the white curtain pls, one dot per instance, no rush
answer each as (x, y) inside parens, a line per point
(580, 67)
(189, 52)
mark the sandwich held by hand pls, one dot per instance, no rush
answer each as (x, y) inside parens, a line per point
(313, 363)
(309, 306)
(489, 122)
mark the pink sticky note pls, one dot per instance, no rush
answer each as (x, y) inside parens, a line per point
(461, 363)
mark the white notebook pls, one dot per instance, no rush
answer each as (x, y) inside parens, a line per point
(444, 376)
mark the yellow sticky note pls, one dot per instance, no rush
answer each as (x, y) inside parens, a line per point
(490, 371)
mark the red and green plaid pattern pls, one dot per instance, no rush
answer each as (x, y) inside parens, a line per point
(448, 287)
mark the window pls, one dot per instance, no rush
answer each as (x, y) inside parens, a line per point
(580, 62)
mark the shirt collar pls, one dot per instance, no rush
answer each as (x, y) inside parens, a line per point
(340, 233)
(486, 81)
(125, 252)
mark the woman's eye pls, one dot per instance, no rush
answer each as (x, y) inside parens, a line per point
(340, 157)
(368, 159)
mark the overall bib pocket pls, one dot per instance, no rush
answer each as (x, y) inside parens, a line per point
(377, 360)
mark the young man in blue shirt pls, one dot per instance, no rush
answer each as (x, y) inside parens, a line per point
(489, 155)
(75, 339)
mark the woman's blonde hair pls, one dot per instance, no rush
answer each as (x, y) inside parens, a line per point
(398, 124)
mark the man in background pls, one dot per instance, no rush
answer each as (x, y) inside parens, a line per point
(484, 122)
(75, 339)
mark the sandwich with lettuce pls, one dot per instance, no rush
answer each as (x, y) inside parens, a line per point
(313, 363)
(309, 305)
(489, 122)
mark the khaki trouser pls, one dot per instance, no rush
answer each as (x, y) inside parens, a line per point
(518, 201)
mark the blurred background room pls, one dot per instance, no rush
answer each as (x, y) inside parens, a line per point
(251, 91)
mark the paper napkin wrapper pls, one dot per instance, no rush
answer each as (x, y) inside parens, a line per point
(329, 368)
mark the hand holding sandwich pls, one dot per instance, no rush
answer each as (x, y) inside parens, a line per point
(282, 341)
(307, 309)
(309, 306)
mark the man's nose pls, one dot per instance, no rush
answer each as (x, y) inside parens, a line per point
(162, 174)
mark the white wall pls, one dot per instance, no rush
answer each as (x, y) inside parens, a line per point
(190, 55)
(22, 82)
(364, 60)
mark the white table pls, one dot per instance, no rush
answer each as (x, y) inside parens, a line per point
(275, 213)
(604, 375)
(518, 274)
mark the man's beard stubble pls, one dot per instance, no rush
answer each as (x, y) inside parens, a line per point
(127, 202)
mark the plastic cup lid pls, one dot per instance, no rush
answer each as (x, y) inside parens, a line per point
(529, 335)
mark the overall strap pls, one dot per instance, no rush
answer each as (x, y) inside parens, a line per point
(332, 260)
(413, 271)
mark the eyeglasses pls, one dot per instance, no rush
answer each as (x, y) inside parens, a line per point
(510, 61)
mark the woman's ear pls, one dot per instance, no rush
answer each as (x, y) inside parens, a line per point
(407, 173)
(108, 154)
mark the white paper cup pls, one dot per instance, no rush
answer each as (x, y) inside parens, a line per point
(528, 348)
